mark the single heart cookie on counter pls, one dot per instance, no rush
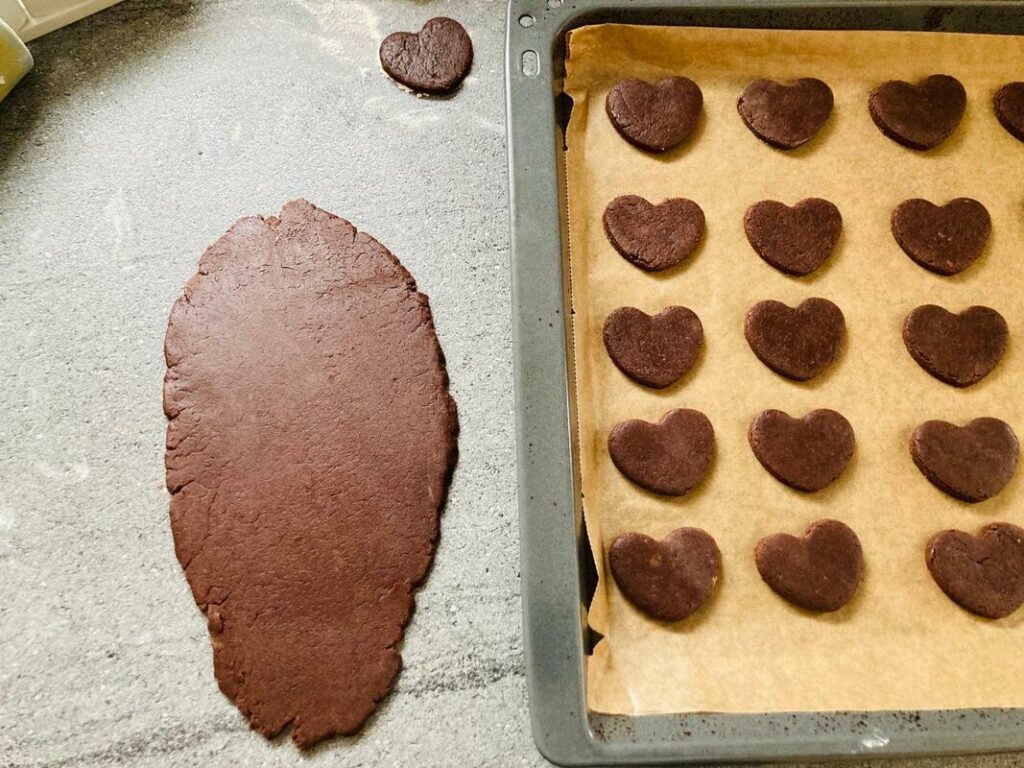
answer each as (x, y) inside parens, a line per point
(655, 117)
(983, 573)
(1009, 107)
(795, 240)
(945, 239)
(796, 343)
(959, 349)
(433, 60)
(670, 457)
(971, 463)
(806, 454)
(919, 116)
(820, 571)
(657, 350)
(653, 237)
(783, 115)
(668, 579)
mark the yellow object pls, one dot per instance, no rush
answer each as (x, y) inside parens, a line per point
(15, 60)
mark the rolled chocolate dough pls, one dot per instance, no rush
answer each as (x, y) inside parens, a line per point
(309, 449)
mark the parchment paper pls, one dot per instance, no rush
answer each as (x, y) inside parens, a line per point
(901, 644)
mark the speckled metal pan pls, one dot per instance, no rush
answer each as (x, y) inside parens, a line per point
(556, 567)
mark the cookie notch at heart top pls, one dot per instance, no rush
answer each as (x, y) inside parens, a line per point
(798, 343)
(655, 117)
(919, 116)
(657, 350)
(944, 239)
(807, 454)
(786, 115)
(433, 61)
(971, 463)
(796, 240)
(958, 349)
(983, 574)
(653, 237)
(670, 457)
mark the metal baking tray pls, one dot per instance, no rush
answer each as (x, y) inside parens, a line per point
(557, 568)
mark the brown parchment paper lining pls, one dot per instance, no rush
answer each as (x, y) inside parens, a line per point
(901, 644)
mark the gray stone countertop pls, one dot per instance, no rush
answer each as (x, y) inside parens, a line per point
(141, 135)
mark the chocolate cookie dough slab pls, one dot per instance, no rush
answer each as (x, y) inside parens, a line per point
(310, 443)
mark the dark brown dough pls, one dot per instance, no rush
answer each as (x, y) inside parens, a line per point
(794, 240)
(653, 237)
(919, 116)
(433, 60)
(655, 351)
(670, 457)
(945, 239)
(959, 349)
(786, 116)
(668, 579)
(1009, 107)
(970, 463)
(806, 454)
(983, 573)
(655, 117)
(796, 343)
(310, 443)
(819, 572)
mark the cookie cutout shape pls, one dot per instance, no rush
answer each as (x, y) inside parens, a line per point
(668, 579)
(786, 116)
(657, 350)
(806, 454)
(309, 416)
(920, 116)
(983, 573)
(433, 60)
(819, 572)
(970, 463)
(1009, 108)
(653, 237)
(796, 343)
(670, 457)
(959, 349)
(795, 240)
(944, 239)
(655, 117)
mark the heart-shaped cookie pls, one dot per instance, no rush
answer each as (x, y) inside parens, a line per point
(433, 60)
(654, 350)
(785, 115)
(794, 240)
(668, 579)
(970, 463)
(655, 117)
(983, 573)
(1009, 106)
(670, 457)
(796, 343)
(919, 116)
(819, 572)
(958, 349)
(944, 239)
(653, 237)
(806, 454)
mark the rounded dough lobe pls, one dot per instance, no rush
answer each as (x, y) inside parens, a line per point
(310, 443)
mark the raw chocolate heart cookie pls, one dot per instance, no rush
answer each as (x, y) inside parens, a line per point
(945, 239)
(971, 463)
(819, 572)
(668, 579)
(655, 117)
(796, 343)
(957, 349)
(806, 454)
(919, 116)
(794, 240)
(1009, 106)
(433, 60)
(670, 457)
(785, 116)
(655, 351)
(653, 237)
(983, 573)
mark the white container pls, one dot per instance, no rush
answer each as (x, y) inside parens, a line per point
(32, 18)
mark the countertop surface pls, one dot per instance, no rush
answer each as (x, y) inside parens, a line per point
(141, 135)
